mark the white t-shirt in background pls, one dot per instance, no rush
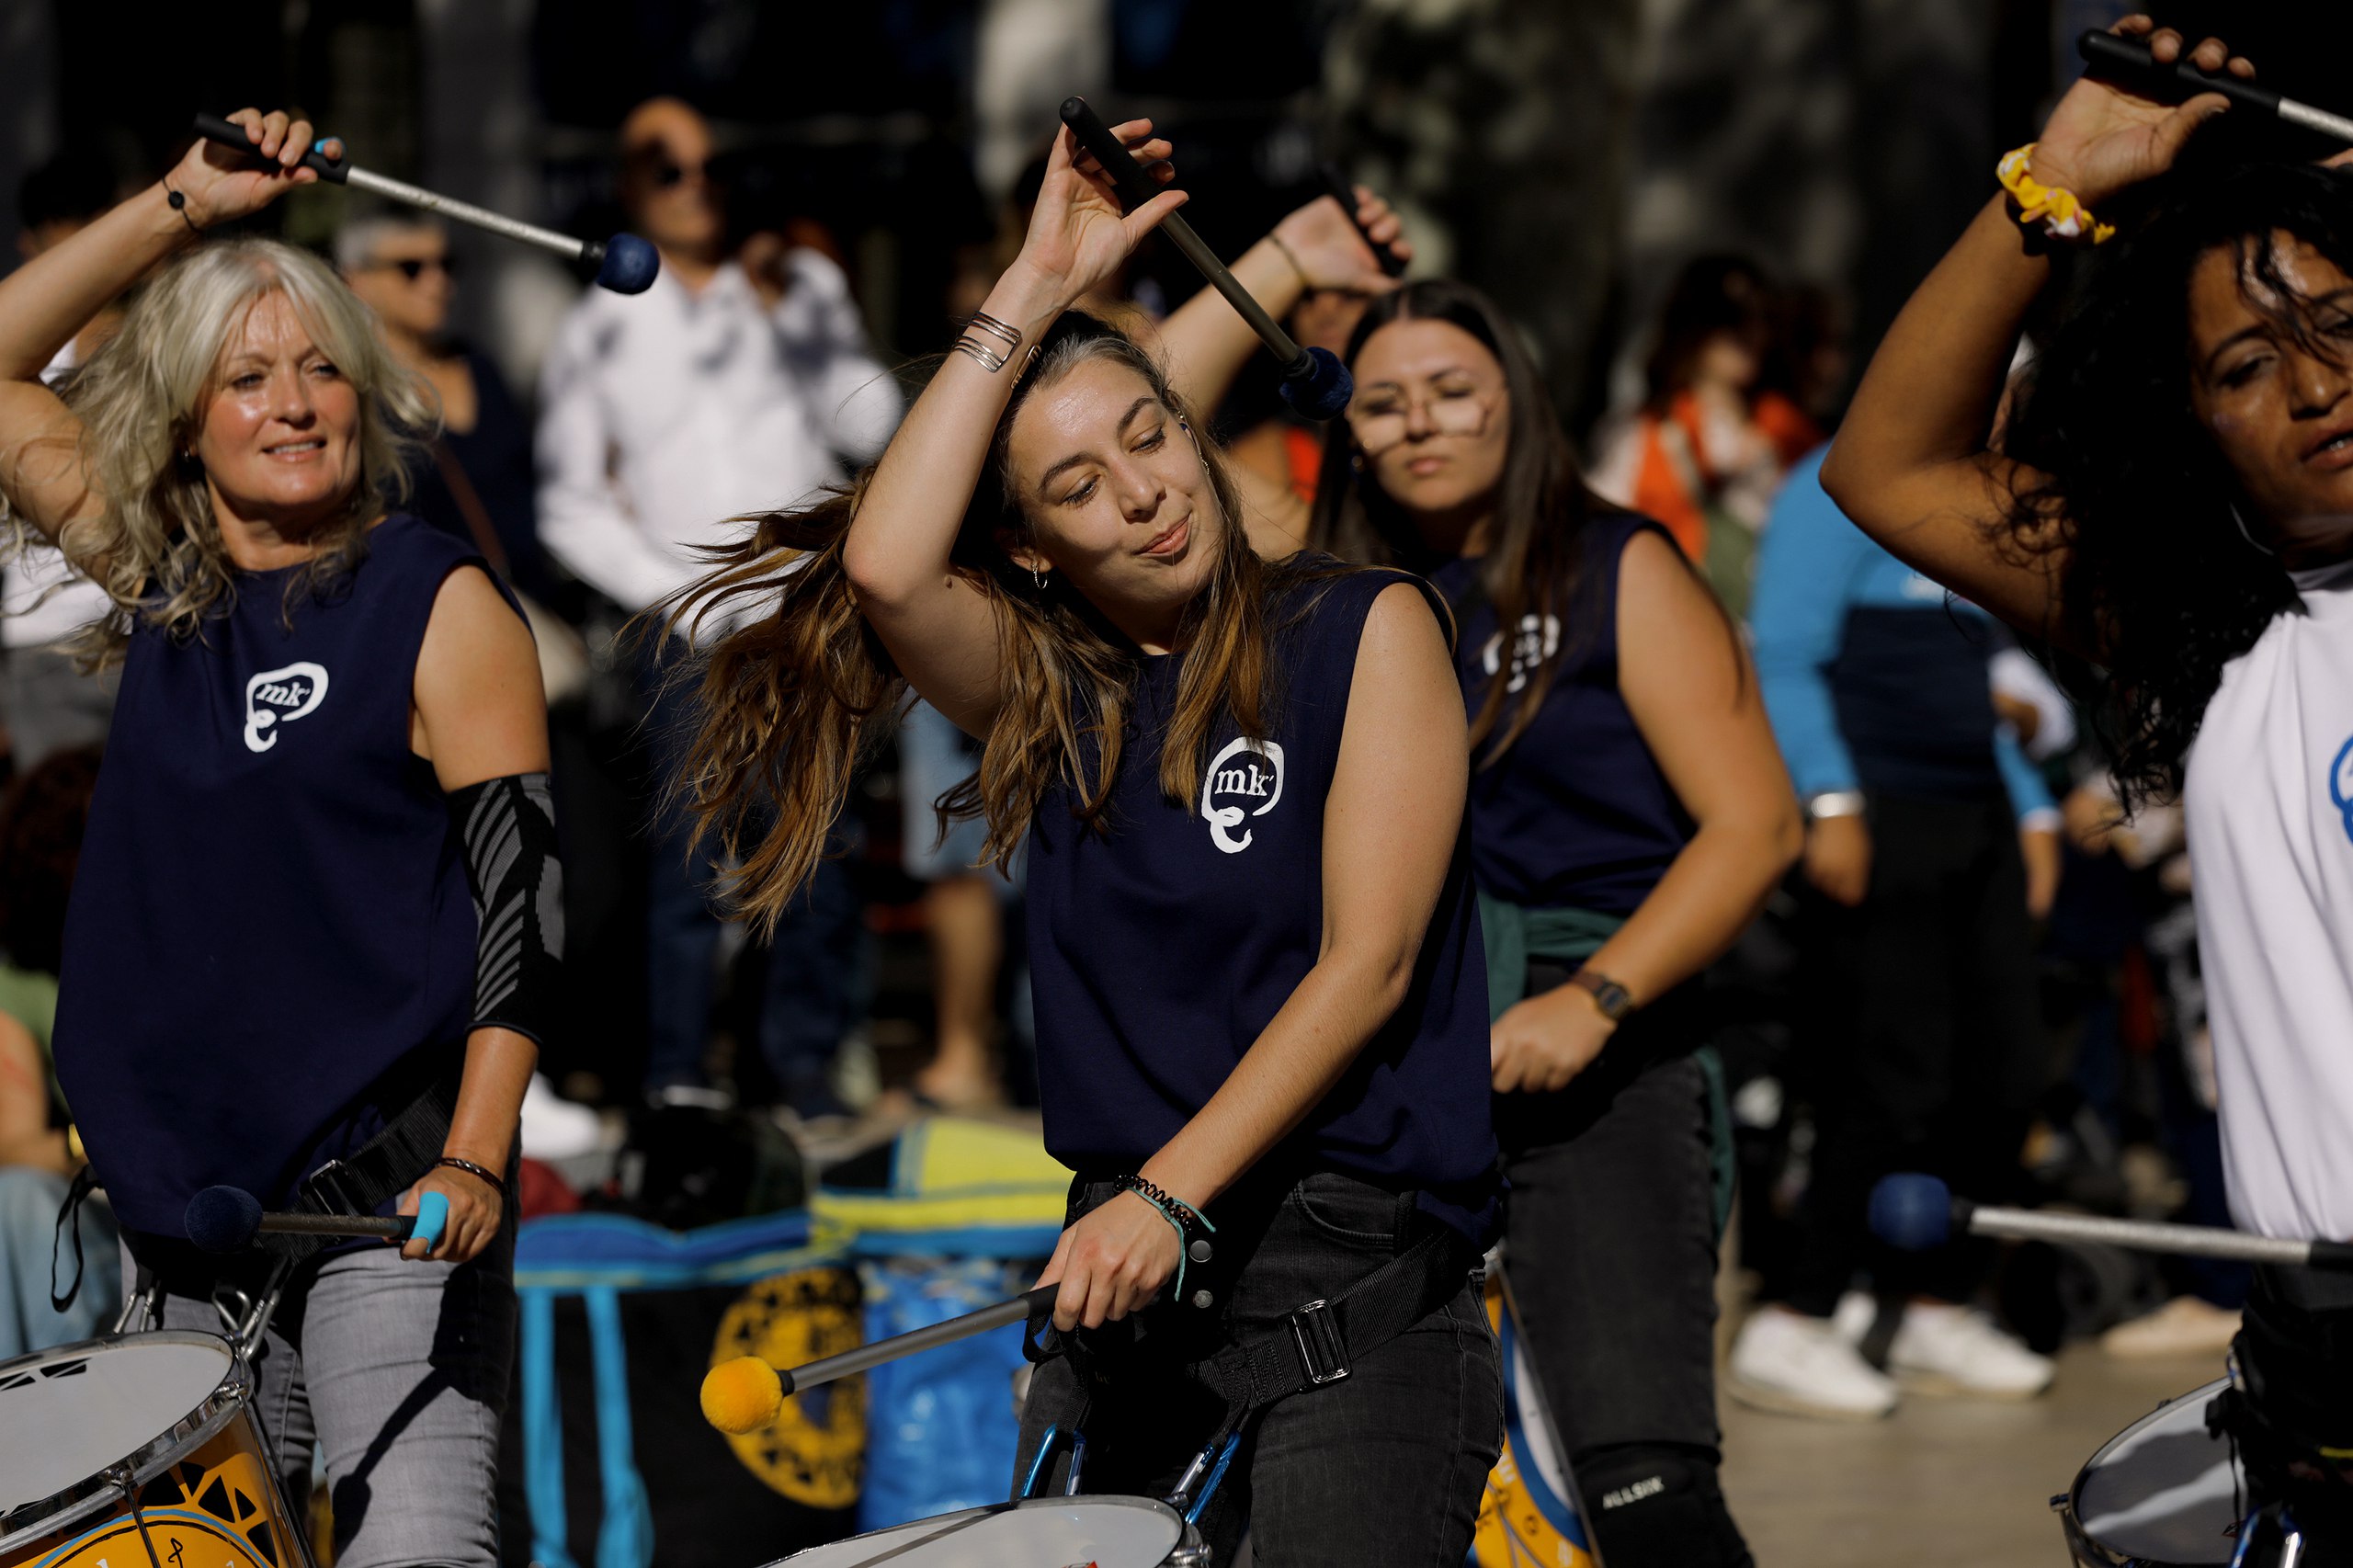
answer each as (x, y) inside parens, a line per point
(2268, 802)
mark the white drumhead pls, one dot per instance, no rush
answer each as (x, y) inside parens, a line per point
(1046, 1532)
(67, 1414)
(2162, 1489)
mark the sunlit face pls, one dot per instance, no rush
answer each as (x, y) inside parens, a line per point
(2281, 415)
(408, 281)
(1431, 415)
(1116, 494)
(279, 431)
(665, 183)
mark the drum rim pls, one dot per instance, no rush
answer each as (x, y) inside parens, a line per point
(2071, 1513)
(61, 1511)
(1126, 1500)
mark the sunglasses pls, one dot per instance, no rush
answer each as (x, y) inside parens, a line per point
(415, 267)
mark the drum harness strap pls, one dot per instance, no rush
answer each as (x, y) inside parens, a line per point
(384, 1168)
(1316, 1345)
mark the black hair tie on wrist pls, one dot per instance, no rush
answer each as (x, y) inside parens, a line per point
(495, 1183)
(180, 205)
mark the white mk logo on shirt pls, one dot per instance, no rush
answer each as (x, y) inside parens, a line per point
(1246, 780)
(277, 696)
(1539, 639)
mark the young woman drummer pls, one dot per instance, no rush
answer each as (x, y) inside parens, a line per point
(1628, 813)
(330, 725)
(1259, 998)
(2172, 498)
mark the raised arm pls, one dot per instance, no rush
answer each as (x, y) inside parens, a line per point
(939, 629)
(1313, 250)
(1911, 465)
(1389, 826)
(44, 303)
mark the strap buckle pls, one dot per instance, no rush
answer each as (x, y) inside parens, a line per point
(1322, 1354)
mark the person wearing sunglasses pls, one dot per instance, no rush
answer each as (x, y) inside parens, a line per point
(733, 385)
(477, 478)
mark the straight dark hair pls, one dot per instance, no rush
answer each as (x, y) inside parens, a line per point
(1541, 504)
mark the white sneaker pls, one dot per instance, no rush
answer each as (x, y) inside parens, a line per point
(1941, 1349)
(2183, 1327)
(1858, 1312)
(555, 1127)
(1803, 1366)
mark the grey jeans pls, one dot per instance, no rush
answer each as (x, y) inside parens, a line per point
(399, 1371)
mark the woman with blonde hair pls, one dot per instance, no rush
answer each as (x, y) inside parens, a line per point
(1258, 991)
(312, 940)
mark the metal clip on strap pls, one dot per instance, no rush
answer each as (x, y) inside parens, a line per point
(1323, 1350)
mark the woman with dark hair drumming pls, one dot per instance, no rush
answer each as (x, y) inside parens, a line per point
(2171, 499)
(311, 938)
(1252, 944)
(1628, 815)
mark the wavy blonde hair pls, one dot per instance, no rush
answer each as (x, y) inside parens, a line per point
(155, 545)
(802, 690)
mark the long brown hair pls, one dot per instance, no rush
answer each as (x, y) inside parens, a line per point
(794, 699)
(1542, 503)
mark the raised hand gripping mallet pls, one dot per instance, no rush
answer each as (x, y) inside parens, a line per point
(625, 264)
(2128, 63)
(1314, 381)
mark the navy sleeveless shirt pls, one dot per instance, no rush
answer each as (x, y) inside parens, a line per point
(1164, 941)
(1576, 814)
(269, 949)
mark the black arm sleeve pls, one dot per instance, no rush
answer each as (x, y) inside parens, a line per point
(508, 827)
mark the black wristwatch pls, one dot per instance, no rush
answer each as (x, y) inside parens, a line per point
(1614, 1000)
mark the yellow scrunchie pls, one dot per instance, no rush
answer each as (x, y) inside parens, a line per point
(2062, 215)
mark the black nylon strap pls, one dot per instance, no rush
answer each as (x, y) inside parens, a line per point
(385, 1167)
(1351, 1325)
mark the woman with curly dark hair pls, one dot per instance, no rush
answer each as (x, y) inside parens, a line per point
(2174, 500)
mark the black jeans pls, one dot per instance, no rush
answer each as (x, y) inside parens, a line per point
(2294, 1357)
(1610, 1245)
(1385, 1467)
(1926, 1051)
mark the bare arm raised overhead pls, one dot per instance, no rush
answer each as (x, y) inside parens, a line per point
(941, 632)
(51, 298)
(1912, 465)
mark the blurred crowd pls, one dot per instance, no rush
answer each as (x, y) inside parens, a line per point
(1976, 946)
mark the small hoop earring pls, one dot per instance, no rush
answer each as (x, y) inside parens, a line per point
(2258, 549)
(1038, 575)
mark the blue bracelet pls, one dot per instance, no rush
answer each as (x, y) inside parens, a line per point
(1178, 1213)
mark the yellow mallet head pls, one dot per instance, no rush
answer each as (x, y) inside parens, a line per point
(741, 1395)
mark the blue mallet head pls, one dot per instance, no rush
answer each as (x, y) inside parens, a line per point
(1911, 1211)
(1321, 388)
(223, 1220)
(628, 265)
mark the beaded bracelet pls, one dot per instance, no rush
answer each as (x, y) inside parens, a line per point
(2062, 213)
(1178, 1213)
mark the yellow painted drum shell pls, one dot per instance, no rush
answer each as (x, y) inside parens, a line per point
(202, 1487)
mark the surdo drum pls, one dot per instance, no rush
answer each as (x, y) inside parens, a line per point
(2161, 1493)
(138, 1451)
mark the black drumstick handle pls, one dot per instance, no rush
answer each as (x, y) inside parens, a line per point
(1136, 187)
(1344, 192)
(213, 128)
(2127, 63)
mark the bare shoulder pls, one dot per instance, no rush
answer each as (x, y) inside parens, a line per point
(468, 610)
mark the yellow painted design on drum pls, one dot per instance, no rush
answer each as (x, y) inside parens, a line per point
(1512, 1532)
(816, 1451)
(184, 1537)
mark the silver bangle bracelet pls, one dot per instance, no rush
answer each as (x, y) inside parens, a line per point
(1833, 803)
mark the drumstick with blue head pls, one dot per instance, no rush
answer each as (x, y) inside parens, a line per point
(626, 263)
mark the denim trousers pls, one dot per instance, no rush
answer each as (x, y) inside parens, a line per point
(1384, 1468)
(399, 1371)
(811, 999)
